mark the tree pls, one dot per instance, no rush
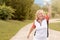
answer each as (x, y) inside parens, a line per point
(56, 7)
(33, 10)
(22, 8)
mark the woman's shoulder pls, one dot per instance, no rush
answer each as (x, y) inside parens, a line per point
(45, 20)
(46, 17)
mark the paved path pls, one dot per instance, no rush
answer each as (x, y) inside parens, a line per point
(22, 34)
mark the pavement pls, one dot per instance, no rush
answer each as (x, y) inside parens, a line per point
(22, 33)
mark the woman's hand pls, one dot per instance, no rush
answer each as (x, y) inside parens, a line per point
(28, 36)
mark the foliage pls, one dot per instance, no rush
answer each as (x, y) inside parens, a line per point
(56, 7)
(25, 9)
(6, 12)
(22, 8)
(33, 10)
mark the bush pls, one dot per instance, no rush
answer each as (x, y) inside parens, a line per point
(22, 8)
(6, 12)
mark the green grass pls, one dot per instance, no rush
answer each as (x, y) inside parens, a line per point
(55, 26)
(9, 28)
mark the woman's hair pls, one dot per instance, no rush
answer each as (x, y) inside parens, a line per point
(38, 12)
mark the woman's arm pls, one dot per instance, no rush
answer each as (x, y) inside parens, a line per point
(31, 29)
(49, 10)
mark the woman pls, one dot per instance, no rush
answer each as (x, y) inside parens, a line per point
(40, 24)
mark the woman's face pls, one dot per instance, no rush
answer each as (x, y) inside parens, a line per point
(40, 16)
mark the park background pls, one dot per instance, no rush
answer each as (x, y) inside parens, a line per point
(15, 14)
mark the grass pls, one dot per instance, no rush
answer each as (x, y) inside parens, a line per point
(55, 26)
(9, 28)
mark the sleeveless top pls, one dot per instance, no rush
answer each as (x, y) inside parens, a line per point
(41, 30)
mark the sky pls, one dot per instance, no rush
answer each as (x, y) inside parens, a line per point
(41, 2)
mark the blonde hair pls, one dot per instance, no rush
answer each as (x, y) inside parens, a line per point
(38, 12)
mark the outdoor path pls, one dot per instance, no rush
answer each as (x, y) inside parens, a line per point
(22, 33)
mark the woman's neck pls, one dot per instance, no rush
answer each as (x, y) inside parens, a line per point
(40, 21)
